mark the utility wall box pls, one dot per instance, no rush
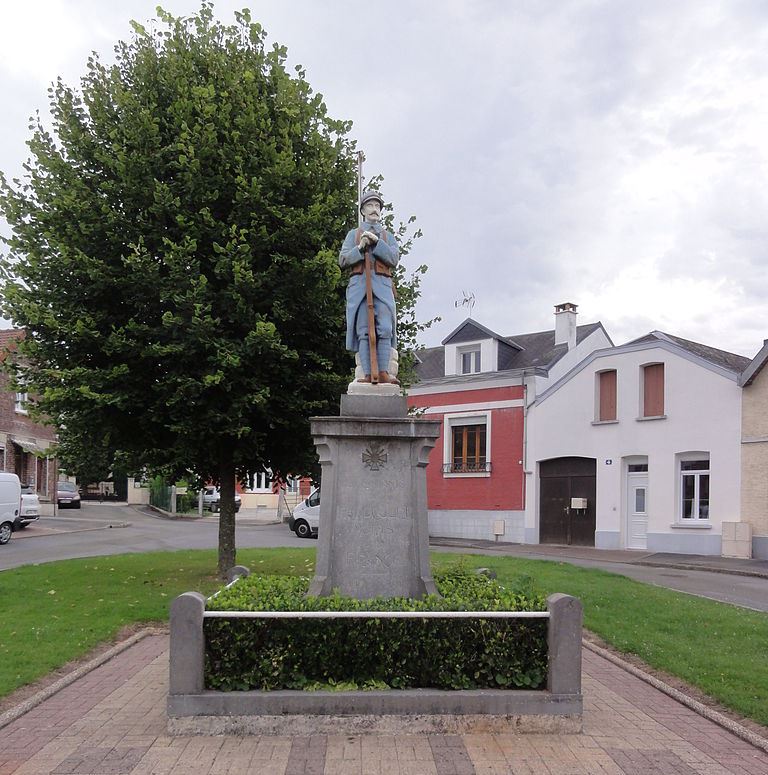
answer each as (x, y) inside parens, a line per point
(737, 540)
(578, 503)
(499, 527)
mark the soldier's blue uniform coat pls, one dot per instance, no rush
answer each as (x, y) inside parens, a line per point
(384, 250)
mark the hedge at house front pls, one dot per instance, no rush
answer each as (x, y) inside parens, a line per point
(341, 654)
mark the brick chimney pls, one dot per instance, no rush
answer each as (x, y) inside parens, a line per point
(565, 324)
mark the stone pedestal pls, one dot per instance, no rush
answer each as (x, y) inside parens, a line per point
(373, 537)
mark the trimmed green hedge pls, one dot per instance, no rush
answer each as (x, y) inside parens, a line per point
(342, 654)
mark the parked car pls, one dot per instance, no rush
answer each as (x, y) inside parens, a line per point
(30, 507)
(212, 498)
(67, 495)
(10, 505)
(305, 519)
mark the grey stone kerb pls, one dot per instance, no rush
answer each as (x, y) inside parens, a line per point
(373, 536)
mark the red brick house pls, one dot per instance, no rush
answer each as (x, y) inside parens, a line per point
(24, 442)
(480, 385)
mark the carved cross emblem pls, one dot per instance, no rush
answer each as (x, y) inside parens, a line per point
(375, 456)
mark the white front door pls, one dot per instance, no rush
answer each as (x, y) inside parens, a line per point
(637, 510)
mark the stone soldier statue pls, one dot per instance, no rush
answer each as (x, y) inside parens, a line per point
(371, 240)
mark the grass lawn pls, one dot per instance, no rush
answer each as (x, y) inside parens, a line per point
(57, 612)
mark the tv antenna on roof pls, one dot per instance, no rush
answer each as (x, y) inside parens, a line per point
(467, 301)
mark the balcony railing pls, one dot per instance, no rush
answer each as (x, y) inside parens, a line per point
(467, 467)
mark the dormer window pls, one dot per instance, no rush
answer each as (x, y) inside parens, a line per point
(469, 360)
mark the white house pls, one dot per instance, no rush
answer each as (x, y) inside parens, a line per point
(638, 447)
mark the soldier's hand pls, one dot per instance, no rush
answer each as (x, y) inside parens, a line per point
(372, 238)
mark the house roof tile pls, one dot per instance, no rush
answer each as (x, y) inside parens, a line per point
(535, 350)
(722, 358)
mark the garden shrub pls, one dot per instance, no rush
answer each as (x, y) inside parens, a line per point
(186, 502)
(375, 653)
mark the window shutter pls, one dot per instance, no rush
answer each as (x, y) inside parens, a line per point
(607, 396)
(653, 390)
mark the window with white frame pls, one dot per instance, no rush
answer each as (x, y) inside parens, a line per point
(260, 481)
(21, 402)
(694, 488)
(467, 444)
(469, 359)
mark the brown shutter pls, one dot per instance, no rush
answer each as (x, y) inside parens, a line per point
(653, 390)
(607, 396)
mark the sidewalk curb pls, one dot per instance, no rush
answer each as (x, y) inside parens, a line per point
(255, 523)
(534, 552)
(154, 511)
(697, 707)
(706, 568)
(41, 696)
(107, 526)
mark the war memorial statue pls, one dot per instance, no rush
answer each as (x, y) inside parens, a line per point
(373, 537)
(370, 253)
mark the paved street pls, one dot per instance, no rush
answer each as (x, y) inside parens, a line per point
(112, 720)
(85, 533)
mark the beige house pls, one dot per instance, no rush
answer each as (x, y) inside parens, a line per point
(754, 451)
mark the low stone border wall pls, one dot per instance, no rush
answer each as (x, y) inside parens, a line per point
(194, 710)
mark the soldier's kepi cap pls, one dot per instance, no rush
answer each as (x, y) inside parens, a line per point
(368, 196)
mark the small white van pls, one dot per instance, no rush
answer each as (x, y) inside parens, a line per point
(10, 505)
(306, 517)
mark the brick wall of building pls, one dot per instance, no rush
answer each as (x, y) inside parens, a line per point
(754, 454)
(503, 489)
(18, 430)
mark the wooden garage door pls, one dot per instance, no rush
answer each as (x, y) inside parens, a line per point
(560, 480)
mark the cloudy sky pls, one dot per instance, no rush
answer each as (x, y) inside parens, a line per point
(610, 154)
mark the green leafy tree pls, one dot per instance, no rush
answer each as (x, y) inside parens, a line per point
(408, 293)
(174, 258)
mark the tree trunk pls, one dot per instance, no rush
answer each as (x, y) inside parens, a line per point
(227, 550)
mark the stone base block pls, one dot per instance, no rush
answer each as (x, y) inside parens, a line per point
(374, 405)
(411, 711)
(374, 725)
(373, 538)
(369, 389)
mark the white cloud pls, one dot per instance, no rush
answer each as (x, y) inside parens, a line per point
(609, 154)
(37, 39)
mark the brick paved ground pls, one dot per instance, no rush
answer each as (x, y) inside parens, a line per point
(112, 722)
